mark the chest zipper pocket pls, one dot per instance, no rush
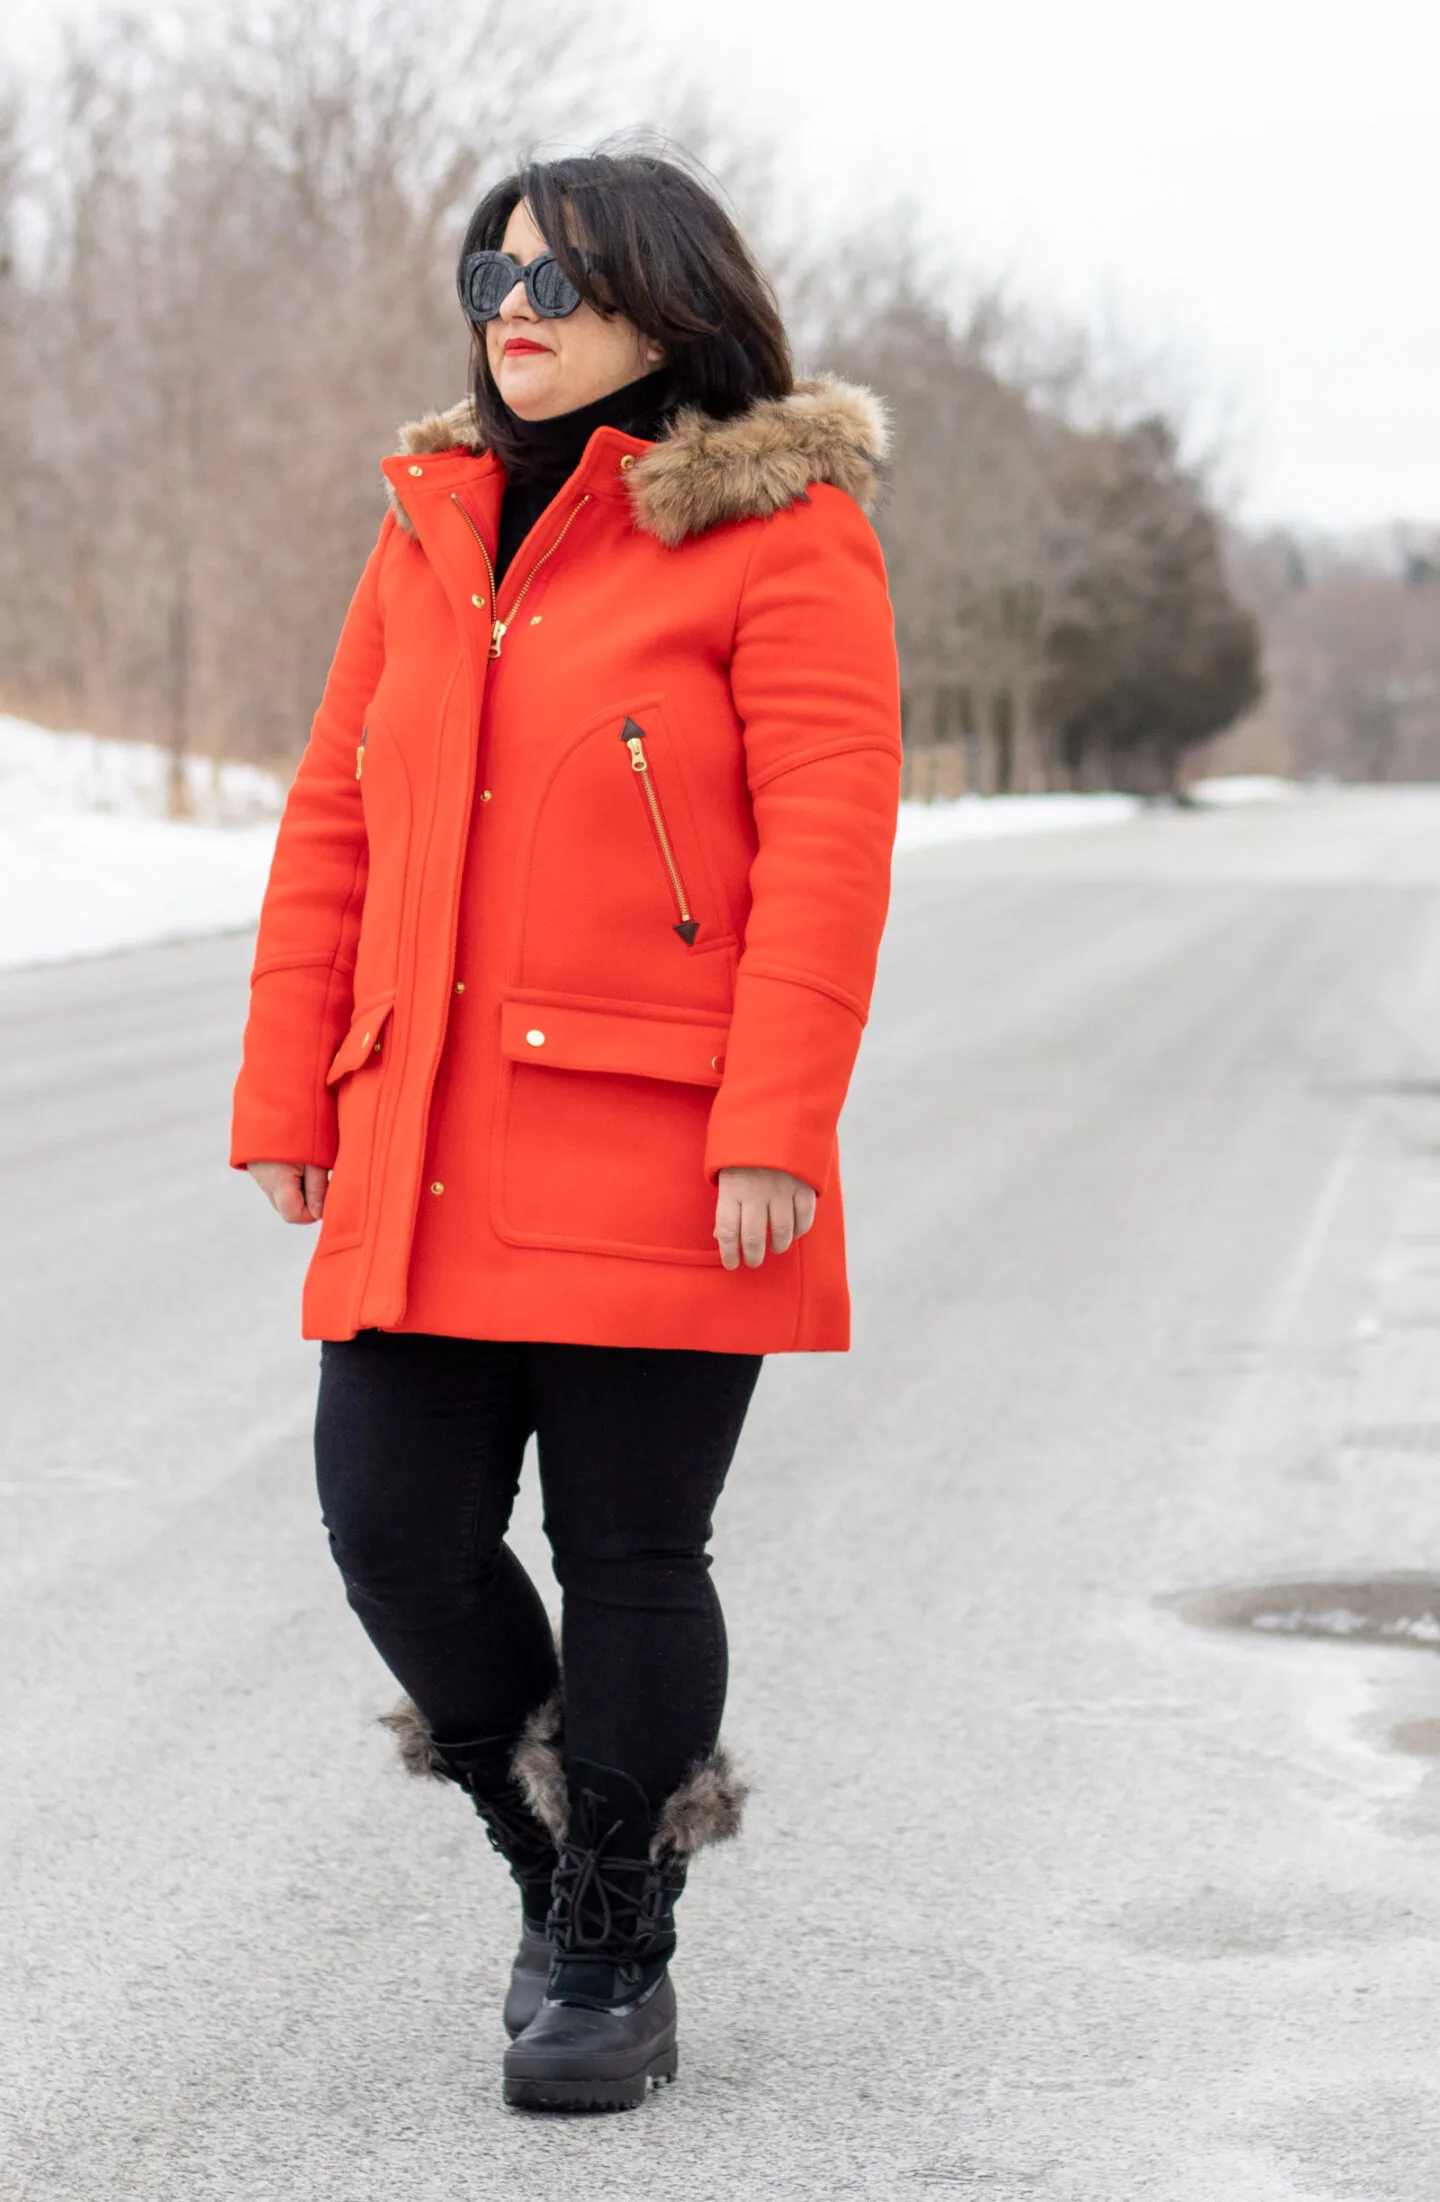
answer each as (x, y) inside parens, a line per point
(633, 737)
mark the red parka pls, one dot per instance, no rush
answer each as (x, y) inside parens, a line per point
(577, 902)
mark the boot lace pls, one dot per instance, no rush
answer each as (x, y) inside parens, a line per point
(512, 1829)
(607, 1906)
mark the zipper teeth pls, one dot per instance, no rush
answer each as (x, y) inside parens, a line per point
(636, 745)
(544, 556)
(665, 850)
(500, 625)
(490, 570)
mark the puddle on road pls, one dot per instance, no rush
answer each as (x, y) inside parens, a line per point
(1418, 1739)
(1385, 1609)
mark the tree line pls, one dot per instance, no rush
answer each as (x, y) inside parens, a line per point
(1352, 655)
(226, 272)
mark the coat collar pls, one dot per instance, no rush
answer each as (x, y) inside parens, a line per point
(706, 472)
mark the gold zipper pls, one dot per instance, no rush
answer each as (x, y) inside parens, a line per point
(633, 737)
(501, 627)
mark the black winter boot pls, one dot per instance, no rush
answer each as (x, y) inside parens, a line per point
(484, 1769)
(605, 2032)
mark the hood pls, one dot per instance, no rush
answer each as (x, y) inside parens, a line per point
(706, 472)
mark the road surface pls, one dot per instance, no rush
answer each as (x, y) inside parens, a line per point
(1046, 1893)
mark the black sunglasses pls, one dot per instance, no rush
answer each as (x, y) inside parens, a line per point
(487, 279)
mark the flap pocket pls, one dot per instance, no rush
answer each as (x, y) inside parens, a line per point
(365, 1038)
(631, 1039)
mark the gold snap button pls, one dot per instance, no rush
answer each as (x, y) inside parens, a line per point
(536, 1039)
(478, 602)
(437, 1187)
(484, 795)
(717, 1062)
(417, 469)
(459, 986)
(537, 619)
(627, 462)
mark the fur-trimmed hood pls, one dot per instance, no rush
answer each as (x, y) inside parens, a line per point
(706, 472)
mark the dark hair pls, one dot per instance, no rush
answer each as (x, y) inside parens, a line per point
(639, 235)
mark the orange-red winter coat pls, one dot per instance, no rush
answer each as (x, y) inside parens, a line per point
(553, 936)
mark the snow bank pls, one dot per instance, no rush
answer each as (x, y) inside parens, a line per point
(1243, 787)
(89, 863)
(998, 817)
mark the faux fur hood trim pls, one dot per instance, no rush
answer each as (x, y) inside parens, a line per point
(707, 472)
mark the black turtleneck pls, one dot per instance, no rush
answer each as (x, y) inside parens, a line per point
(551, 450)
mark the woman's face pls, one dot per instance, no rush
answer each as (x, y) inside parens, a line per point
(542, 368)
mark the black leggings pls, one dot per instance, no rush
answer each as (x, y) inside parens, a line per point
(418, 1447)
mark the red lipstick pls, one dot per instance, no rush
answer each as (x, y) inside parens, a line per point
(523, 344)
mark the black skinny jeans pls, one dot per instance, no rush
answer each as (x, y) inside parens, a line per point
(418, 1447)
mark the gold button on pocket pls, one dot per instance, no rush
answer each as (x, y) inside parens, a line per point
(459, 986)
(437, 1187)
(417, 469)
(534, 1038)
(717, 1062)
(478, 602)
(484, 795)
(627, 462)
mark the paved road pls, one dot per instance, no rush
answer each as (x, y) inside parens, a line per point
(1046, 1894)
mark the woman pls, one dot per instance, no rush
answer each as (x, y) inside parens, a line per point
(561, 974)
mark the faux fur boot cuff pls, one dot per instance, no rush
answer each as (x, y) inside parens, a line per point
(708, 1807)
(414, 1742)
(541, 1776)
(539, 1765)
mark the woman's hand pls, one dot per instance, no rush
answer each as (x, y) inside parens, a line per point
(294, 1192)
(754, 1202)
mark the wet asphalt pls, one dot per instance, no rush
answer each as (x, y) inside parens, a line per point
(1051, 1889)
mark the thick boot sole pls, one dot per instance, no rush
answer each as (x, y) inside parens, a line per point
(528, 1975)
(595, 2094)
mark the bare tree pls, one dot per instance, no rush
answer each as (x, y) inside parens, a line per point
(244, 282)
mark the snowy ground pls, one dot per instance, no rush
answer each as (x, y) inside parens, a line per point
(1002, 817)
(89, 863)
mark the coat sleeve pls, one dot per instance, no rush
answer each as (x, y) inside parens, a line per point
(816, 686)
(300, 986)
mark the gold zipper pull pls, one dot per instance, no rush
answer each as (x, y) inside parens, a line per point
(637, 753)
(497, 636)
(360, 752)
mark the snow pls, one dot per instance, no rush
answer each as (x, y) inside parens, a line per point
(998, 817)
(1243, 787)
(89, 863)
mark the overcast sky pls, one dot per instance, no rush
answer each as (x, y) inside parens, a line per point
(1257, 182)
(1253, 183)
